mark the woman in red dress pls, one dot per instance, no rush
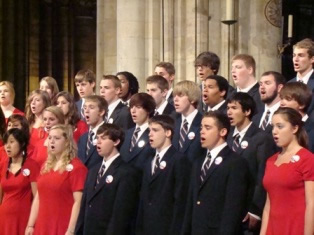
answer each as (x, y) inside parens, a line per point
(2, 127)
(7, 95)
(36, 102)
(65, 101)
(49, 84)
(52, 115)
(56, 205)
(18, 184)
(289, 179)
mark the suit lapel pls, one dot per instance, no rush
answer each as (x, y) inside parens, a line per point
(140, 144)
(247, 137)
(116, 112)
(193, 129)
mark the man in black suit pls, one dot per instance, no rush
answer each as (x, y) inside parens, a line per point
(95, 108)
(187, 124)
(298, 96)
(219, 183)
(111, 190)
(135, 147)
(167, 70)
(243, 75)
(118, 113)
(215, 93)
(157, 86)
(85, 82)
(270, 85)
(303, 61)
(254, 145)
(165, 182)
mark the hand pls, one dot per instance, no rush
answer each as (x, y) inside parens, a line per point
(29, 230)
(69, 232)
(253, 222)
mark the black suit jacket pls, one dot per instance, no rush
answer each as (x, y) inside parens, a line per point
(257, 119)
(170, 98)
(163, 195)
(110, 207)
(139, 153)
(192, 146)
(310, 84)
(309, 128)
(121, 117)
(170, 111)
(79, 107)
(93, 157)
(254, 93)
(260, 147)
(217, 206)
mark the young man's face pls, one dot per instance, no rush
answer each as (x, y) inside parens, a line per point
(108, 91)
(139, 115)
(203, 72)
(211, 136)
(211, 93)
(105, 146)
(240, 73)
(158, 136)
(158, 95)
(163, 72)
(93, 115)
(235, 114)
(291, 103)
(85, 88)
(302, 62)
(124, 86)
(182, 104)
(268, 89)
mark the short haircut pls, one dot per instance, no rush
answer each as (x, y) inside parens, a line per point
(306, 43)
(85, 75)
(113, 131)
(166, 122)
(161, 82)
(221, 119)
(101, 102)
(245, 100)
(298, 91)
(279, 78)
(52, 83)
(144, 100)
(21, 136)
(115, 80)
(21, 119)
(210, 59)
(167, 66)
(190, 89)
(248, 61)
(10, 87)
(133, 83)
(57, 112)
(222, 83)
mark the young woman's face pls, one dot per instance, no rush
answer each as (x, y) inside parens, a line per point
(12, 147)
(49, 120)
(5, 95)
(37, 105)
(283, 131)
(45, 87)
(14, 124)
(63, 104)
(56, 142)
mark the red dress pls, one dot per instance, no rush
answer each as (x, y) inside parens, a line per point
(55, 192)
(15, 111)
(81, 128)
(17, 199)
(286, 191)
(40, 150)
(36, 135)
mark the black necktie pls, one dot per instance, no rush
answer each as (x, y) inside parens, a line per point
(157, 164)
(265, 121)
(89, 142)
(236, 142)
(183, 132)
(205, 167)
(134, 138)
(100, 173)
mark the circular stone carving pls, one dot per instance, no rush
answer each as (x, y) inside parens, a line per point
(273, 12)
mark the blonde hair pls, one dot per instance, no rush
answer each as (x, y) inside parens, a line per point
(190, 89)
(68, 153)
(10, 87)
(57, 112)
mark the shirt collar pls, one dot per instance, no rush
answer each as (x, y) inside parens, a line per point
(108, 162)
(217, 106)
(112, 106)
(215, 151)
(246, 90)
(143, 127)
(241, 133)
(190, 117)
(169, 93)
(162, 107)
(306, 78)
(162, 152)
(95, 129)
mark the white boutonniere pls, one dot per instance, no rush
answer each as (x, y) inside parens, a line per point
(295, 158)
(109, 179)
(244, 144)
(69, 167)
(162, 165)
(218, 160)
(141, 143)
(26, 172)
(191, 135)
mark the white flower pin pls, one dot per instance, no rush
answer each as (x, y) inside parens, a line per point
(218, 160)
(295, 158)
(26, 172)
(69, 167)
(191, 135)
(141, 143)
(162, 165)
(109, 179)
(110, 120)
(244, 144)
